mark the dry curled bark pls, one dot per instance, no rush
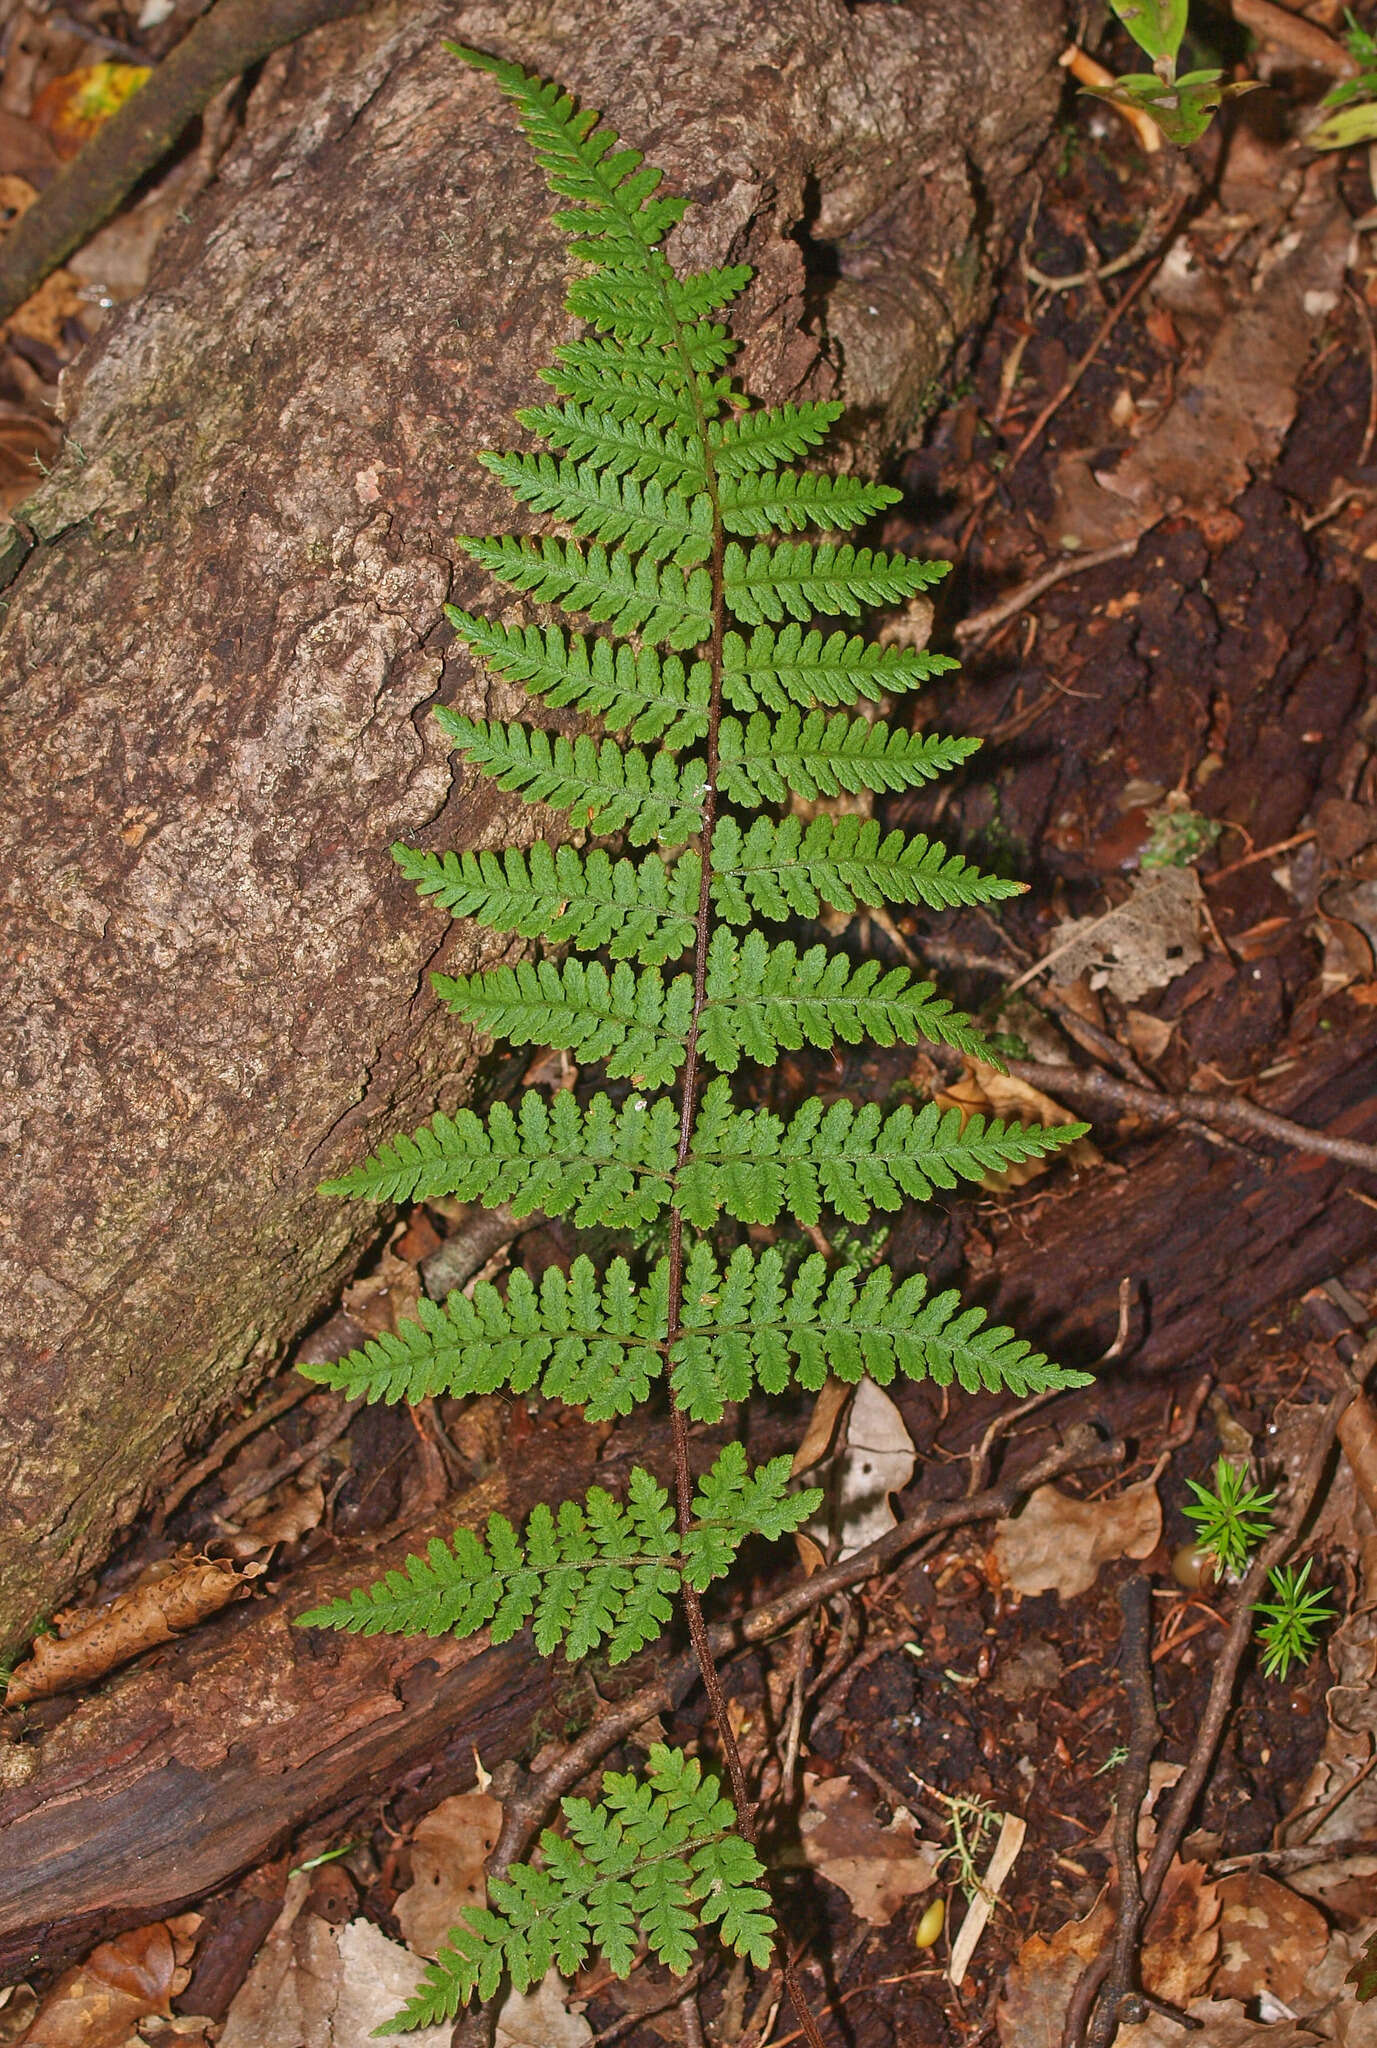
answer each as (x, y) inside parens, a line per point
(221, 644)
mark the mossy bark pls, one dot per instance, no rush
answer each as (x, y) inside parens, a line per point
(220, 647)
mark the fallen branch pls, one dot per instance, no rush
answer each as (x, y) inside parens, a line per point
(223, 44)
(1217, 1112)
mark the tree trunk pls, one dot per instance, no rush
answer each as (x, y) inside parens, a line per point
(222, 637)
(211, 1753)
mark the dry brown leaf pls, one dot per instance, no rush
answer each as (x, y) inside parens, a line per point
(1058, 1544)
(449, 1854)
(391, 1291)
(542, 2018)
(98, 2004)
(984, 1091)
(1358, 1435)
(299, 1513)
(1270, 1939)
(317, 1986)
(874, 1458)
(1038, 1983)
(1222, 2023)
(822, 1425)
(1141, 944)
(877, 1867)
(1183, 1935)
(149, 1614)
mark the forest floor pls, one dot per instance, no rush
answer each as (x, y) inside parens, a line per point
(1156, 481)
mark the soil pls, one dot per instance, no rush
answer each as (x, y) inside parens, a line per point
(1218, 672)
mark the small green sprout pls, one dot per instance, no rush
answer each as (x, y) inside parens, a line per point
(1231, 1518)
(1177, 837)
(1182, 104)
(1294, 1618)
(1351, 106)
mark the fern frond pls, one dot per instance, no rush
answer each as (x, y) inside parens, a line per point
(793, 667)
(653, 309)
(763, 997)
(762, 502)
(621, 445)
(648, 384)
(794, 579)
(814, 755)
(607, 1164)
(591, 1341)
(635, 1022)
(636, 689)
(754, 1323)
(647, 518)
(853, 1159)
(786, 868)
(640, 910)
(764, 436)
(607, 786)
(592, 1574)
(631, 593)
(657, 1859)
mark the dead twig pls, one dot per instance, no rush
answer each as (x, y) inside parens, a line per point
(1211, 1730)
(263, 1482)
(981, 624)
(1279, 25)
(1216, 1111)
(222, 45)
(1142, 246)
(1135, 1663)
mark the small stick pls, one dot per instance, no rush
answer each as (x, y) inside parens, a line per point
(1280, 25)
(1135, 1602)
(1217, 1111)
(223, 44)
(981, 624)
(264, 1482)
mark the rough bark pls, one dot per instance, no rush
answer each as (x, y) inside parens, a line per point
(221, 645)
(213, 1752)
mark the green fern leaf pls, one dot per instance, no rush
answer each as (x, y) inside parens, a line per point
(793, 667)
(635, 1023)
(631, 593)
(763, 997)
(794, 579)
(765, 436)
(607, 786)
(814, 755)
(623, 382)
(606, 1164)
(661, 524)
(761, 502)
(791, 869)
(637, 690)
(618, 445)
(659, 1858)
(639, 910)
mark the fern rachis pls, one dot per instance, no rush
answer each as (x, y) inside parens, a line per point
(719, 698)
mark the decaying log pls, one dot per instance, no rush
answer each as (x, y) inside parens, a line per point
(221, 637)
(200, 1761)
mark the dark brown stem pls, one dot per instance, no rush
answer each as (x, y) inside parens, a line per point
(235, 35)
(1216, 1111)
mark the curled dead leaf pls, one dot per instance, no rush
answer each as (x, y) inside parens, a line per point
(873, 1459)
(98, 2004)
(449, 1854)
(1270, 1939)
(877, 1867)
(150, 1613)
(1059, 1543)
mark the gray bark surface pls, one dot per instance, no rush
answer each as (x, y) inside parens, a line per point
(221, 648)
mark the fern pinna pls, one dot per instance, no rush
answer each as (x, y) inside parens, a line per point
(720, 702)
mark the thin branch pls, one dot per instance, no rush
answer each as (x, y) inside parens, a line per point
(981, 624)
(1216, 1111)
(1280, 25)
(223, 44)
